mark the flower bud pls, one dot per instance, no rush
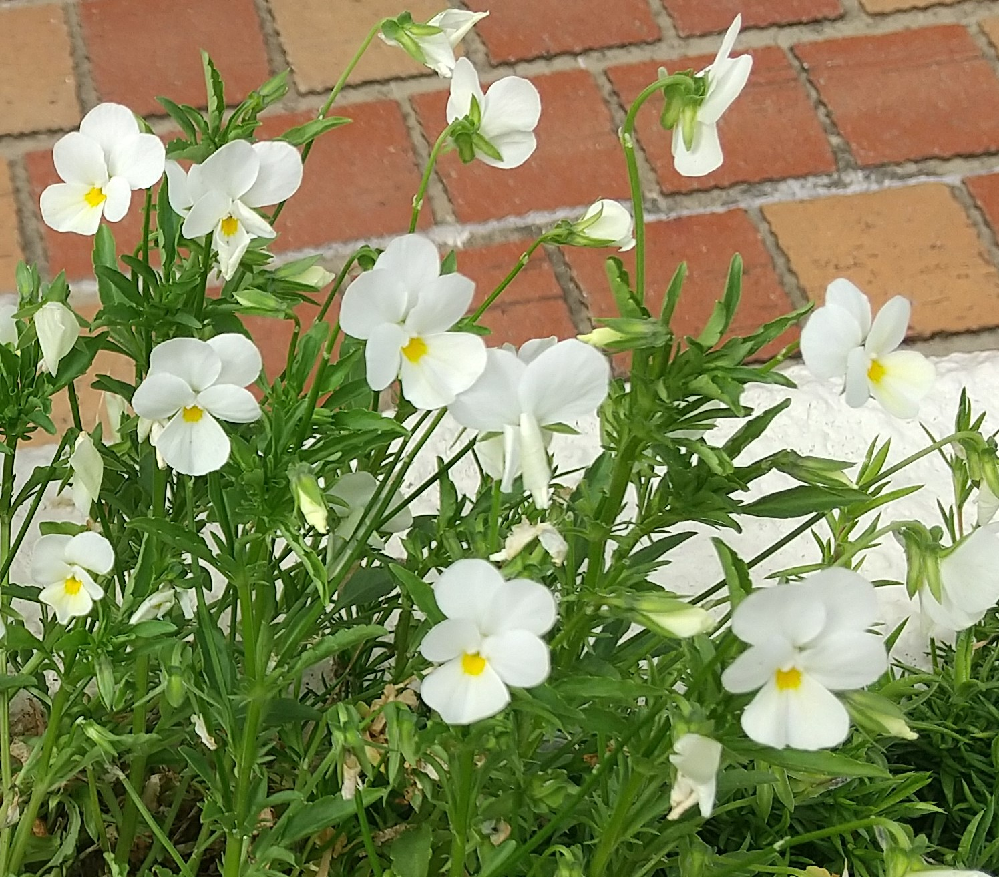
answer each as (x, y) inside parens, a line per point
(156, 605)
(665, 614)
(627, 333)
(308, 496)
(876, 714)
(88, 473)
(431, 44)
(605, 224)
(57, 330)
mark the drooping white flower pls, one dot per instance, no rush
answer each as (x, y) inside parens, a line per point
(57, 330)
(437, 49)
(696, 759)
(840, 340)
(969, 586)
(100, 165)
(606, 224)
(201, 729)
(88, 473)
(63, 567)
(403, 307)
(490, 639)
(355, 490)
(696, 148)
(191, 383)
(507, 113)
(156, 605)
(524, 533)
(522, 395)
(8, 328)
(115, 406)
(217, 197)
(806, 641)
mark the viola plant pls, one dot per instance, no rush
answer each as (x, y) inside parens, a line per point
(251, 625)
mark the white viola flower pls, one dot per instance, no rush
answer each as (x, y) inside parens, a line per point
(968, 584)
(64, 566)
(8, 328)
(436, 50)
(219, 195)
(355, 490)
(490, 639)
(524, 533)
(696, 148)
(806, 640)
(57, 329)
(696, 759)
(507, 115)
(840, 340)
(88, 473)
(605, 224)
(100, 165)
(191, 383)
(403, 308)
(156, 605)
(523, 396)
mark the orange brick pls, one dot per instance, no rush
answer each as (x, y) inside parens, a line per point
(578, 158)
(755, 149)
(321, 36)
(10, 245)
(519, 29)
(991, 28)
(140, 50)
(694, 17)
(914, 241)
(38, 88)
(921, 93)
(985, 190)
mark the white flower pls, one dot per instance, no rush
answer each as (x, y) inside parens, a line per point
(57, 330)
(438, 49)
(508, 114)
(969, 586)
(217, 197)
(840, 340)
(696, 759)
(524, 533)
(356, 490)
(189, 384)
(62, 565)
(88, 473)
(491, 638)
(606, 224)
(806, 641)
(403, 308)
(8, 328)
(987, 505)
(156, 605)
(115, 406)
(696, 147)
(202, 731)
(100, 165)
(522, 395)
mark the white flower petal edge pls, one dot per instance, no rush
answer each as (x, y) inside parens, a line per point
(57, 330)
(696, 759)
(969, 587)
(61, 567)
(87, 465)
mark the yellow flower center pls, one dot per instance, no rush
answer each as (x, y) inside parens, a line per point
(473, 664)
(415, 350)
(193, 414)
(788, 680)
(229, 226)
(95, 197)
(72, 586)
(876, 372)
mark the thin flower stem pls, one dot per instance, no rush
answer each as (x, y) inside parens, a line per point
(6, 513)
(154, 825)
(520, 266)
(335, 288)
(459, 819)
(137, 771)
(426, 485)
(369, 844)
(421, 193)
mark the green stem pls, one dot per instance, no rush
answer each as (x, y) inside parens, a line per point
(137, 771)
(6, 491)
(520, 266)
(369, 843)
(154, 827)
(459, 824)
(609, 836)
(431, 161)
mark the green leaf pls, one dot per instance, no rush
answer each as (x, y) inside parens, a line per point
(737, 577)
(313, 817)
(724, 310)
(672, 297)
(419, 591)
(179, 115)
(215, 91)
(620, 284)
(823, 763)
(183, 538)
(410, 852)
(804, 500)
(752, 429)
(311, 561)
(16, 683)
(364, 586)
(328, 646)
(302, 134)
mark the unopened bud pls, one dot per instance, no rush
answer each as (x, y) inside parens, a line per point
(878, 715)
(308, 496)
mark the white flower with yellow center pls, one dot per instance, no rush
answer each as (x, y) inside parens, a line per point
(219, 195)
(100, 165)
(490, 639)
(64, 566)
(522, 395)
(696, 759)
(403, 308)
(190, 384)
(840, 340)
(806, 641)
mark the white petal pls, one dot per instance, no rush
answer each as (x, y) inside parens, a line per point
(567, 381)
(518, 657)
(119, 195)
(468, 589)
(156, 605)
(65, 209)
(808, 717)
(66, 606)
(705, 154)
(452, 363)
(509, 467)
(843, 294)
(534, 461)
(462, 699)
(794, 613)
(194, 361)
(438, 54)
(511, 104)
(456, 23)
(450, 639)
(91, 551)
(79, 159)
(948, 615)
(827, 339)
(889, 327)
(373, 299)
(613, 224)
(845, 660)
(240, 358)
(194, 448)
(756, 666)
(89, 585)
(255, 225)
(413, 261)
(178, 189)
(229, 402)
(908, 377)
(109, 124)
(88, 472)
(280, 174)
(725, 85)
(231, 170)
(383, 355)
(441, 303)
(531, 350)
(850, 600)
(139, 159)
(48, 561)
(697, 757)
(522, 605)
(57, 330)
(206, 213)
(161, 395)
(515, 147)
(230, 248)
(492, 402)
(728, 41)
(464, 86)
(968, 572)
(857, 387)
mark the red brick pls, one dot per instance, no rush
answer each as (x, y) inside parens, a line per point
(985, 190)
(770, 132)
(521, 29)
(140, 50)
(694, 17)
(359, 180)
(578, 158)
(707, 244)
(10, 244)
(921, 93)
(532, 306)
